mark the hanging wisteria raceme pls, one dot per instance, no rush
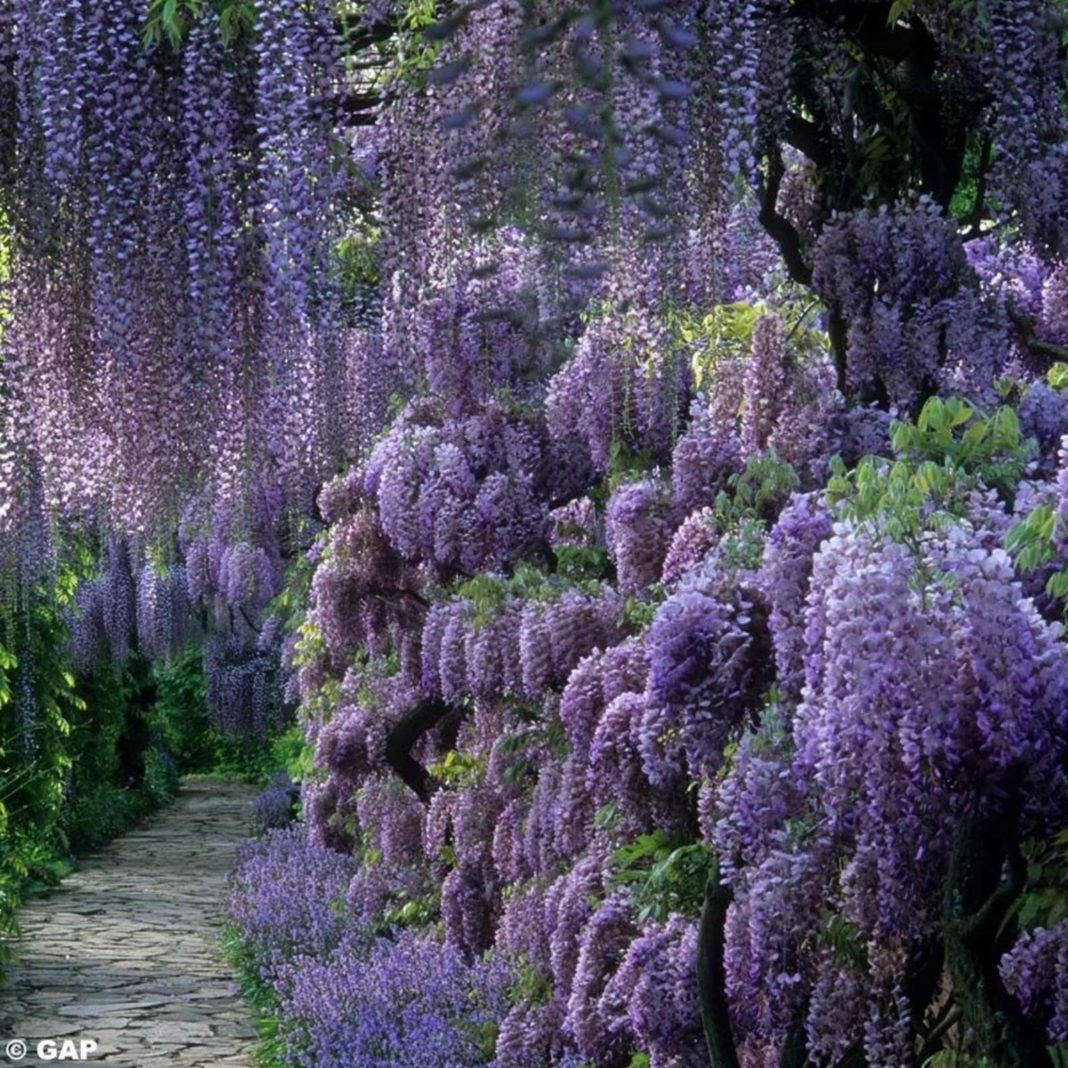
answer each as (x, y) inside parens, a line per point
(899, 278)
(623, 388)
(1034, 972)
(637, 532)
(784, 579)
(705, 648)
(203, 181)
(218, 193)
(901, 736)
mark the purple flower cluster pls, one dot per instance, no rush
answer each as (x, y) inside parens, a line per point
(1035, 971)
(900, 279)
(623, 388)
(803, 525)
(407, 1001)
(241, 686)
(706, 648)
(705, 456)
(273, 807)
(468, 494)
(638, 532)
(285, 899)
(932, 690)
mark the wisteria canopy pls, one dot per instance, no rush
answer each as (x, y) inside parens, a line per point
(627, 437)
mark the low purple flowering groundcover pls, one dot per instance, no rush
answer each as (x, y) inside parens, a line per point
(347, 996)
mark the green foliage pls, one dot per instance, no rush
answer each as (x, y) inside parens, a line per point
(956, 1058)
(530, 986)
(1044, 901)
(606, 818)
(1037, 541)
(35, 741)
(180, 715)
(121, 768)
(756, 493)
(524, 748)
(958, 437)
(950, 450)
(487, 593)
(415, 52)
(625, 464)
(356, 266)
(291, 602)
(408, 911)
(291, 752)
(740, 514)
(271, 1049)
(726, 333)
(664, 875)
(581, 563)
(170, 20)
(458, 769)
(894, 499)
(1033, 543)
(842, 937)
(1057, 376)
(638, 612)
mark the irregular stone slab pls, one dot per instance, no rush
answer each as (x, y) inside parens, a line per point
(125, 951)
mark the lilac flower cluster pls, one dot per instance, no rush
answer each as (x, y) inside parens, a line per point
(900, 279)
(408, 1001)
(803, 525)
(273, 807)
(705, 648)
(284, 899)
(624, 387)
(638, 532)
(241, 682)
(468, 494)
(901, 732)
(1035, 971)
(705, 456)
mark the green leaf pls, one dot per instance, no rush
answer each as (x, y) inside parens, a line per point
(962, 413)
(1057, 586)
(1057, 376)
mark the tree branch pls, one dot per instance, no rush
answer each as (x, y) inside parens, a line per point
(1023, 323)
(780, 229)
(932, 1040)
(975, 217)
(804, 135)
(244, 615)
(986, 873)
(354, 108)
(870, 24)
(375, 33)
(402, 737)
(711, 974)
(384, 594)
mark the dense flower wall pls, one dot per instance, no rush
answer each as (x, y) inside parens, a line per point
(629, 438)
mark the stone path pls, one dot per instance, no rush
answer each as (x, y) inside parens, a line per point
(125, 951)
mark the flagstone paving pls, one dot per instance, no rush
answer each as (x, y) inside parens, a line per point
(126, 950)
